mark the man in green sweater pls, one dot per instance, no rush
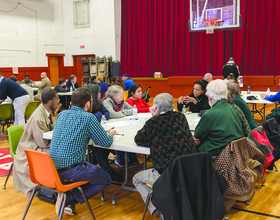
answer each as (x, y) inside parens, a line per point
(219, 125)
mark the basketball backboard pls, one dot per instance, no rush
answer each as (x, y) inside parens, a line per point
(227, 13)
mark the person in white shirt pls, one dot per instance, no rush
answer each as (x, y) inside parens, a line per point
(28, 89)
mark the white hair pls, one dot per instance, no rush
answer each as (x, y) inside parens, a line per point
(164, 102)
(207, 76)
(217, 90)
(112, 91)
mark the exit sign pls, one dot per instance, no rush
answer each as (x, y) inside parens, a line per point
(82, 47)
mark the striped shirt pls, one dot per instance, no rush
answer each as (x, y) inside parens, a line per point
(72, 132)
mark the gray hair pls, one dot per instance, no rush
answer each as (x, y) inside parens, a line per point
(164, 102)
(112, 91)
(207, 76)
(234, 89)
(217, 90)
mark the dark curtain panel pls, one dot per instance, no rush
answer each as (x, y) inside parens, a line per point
(155, 38)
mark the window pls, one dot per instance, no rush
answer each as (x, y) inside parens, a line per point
(81, 13)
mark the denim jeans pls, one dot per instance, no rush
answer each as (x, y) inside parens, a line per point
(97, 177)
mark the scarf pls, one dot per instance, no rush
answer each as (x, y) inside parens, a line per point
(118, 106)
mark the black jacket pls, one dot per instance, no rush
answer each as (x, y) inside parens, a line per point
(202, 103)
(59, 88)
(69, 84)
(230, 67)
(190, 189)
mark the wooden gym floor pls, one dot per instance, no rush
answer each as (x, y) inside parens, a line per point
(264, 205)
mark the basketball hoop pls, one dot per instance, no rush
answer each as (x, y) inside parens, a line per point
(210, 25)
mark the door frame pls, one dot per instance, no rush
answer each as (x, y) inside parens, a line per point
(60, 58)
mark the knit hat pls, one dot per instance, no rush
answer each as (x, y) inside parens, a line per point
(125, 75)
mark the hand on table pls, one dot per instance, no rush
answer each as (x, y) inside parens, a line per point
(263, 95)
(112, 132)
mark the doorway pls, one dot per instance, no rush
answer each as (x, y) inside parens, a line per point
(56, 67)
(78, 66)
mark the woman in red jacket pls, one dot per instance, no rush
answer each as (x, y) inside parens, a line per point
(134, 98)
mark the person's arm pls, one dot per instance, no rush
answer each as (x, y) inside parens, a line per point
(106, 113)
(273, 98)
(127, 109)
(77, 85)
(98, 135)
(146, 108)
(113, 113)
(59, 88)
(244, 123)
(181, 102)
(41, 85)
(142, 137)
(68, 84)
(38, 134)
(126, 84)
(204, 104)
(203, 128)
(98, 116)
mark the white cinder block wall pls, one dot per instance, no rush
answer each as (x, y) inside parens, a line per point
(25, 40)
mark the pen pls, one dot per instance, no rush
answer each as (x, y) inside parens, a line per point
(120, 134)
(111, 128)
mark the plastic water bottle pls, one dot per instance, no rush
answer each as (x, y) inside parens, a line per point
(135, 112)
(103, 122)
(184, 109)
(71, 89)
(268, 91)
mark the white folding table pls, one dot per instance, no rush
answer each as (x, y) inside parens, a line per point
(128, 128)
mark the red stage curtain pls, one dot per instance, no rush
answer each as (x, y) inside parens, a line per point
(155, 38)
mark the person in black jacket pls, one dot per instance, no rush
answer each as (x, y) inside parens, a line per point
(168, 135)
(196, 101)
(190, 188)
(230, 70)
(72, 83)
(61, 87)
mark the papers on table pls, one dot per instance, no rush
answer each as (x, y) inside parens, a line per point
(194, 122)
(141, 115)
(119, 123)
(116, 137)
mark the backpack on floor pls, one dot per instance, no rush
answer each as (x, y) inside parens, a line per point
(47, 196)
(272, 130)
(275, 113)
(258, 136)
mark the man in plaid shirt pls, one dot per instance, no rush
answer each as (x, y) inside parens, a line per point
(73, 130)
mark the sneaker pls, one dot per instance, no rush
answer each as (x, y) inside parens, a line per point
(58, 203)
(121, 164)
(70, 208)
(117, 177)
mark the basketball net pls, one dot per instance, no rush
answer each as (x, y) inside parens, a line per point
(210, 25)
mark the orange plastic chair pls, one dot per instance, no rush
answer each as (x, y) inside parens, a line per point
(43, 173)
